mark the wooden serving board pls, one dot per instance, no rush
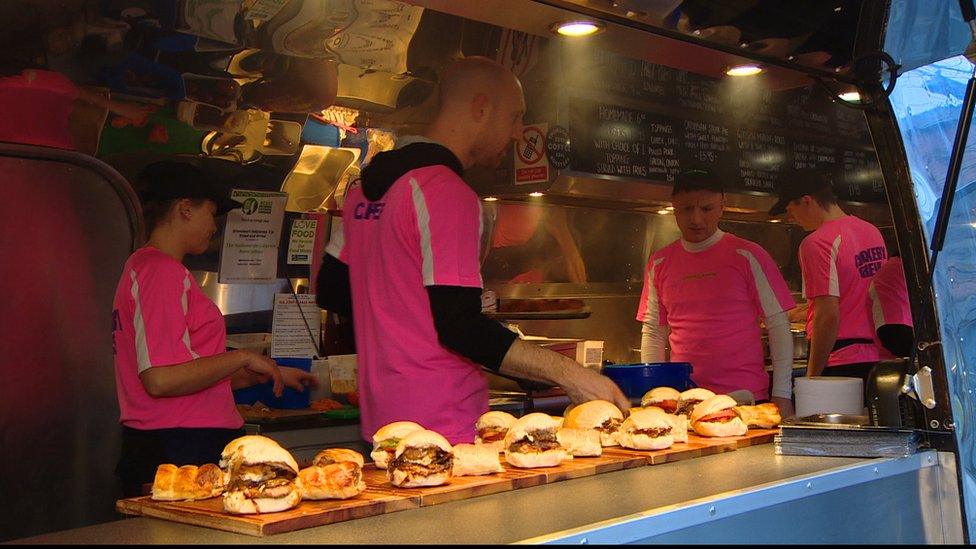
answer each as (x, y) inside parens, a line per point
(210, 512)
(276, 415)
(457, 488)
(695, 447)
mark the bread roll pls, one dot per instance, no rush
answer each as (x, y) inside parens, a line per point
(188, 483)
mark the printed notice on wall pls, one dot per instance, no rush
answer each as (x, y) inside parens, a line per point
(291, 336)
(531, 163)
(302, 241)
(250, 251)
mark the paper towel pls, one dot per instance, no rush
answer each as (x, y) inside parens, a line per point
(829, 395)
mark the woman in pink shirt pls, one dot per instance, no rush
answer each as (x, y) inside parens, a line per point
(173, 373)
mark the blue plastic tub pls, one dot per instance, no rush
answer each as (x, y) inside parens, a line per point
(636, 379)
(290, 399)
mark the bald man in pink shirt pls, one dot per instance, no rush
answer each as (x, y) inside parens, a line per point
(710, 289)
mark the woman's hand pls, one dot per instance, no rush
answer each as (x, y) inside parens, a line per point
(264, 369)
(297, 378)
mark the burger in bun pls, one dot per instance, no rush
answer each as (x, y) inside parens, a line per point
(664, 398)
(690, 398)
(646, 430)
(532, 442)
(598, 415)
(422, 458)
(717, 417)
(386, 439)
(263, 476)
(492, 428)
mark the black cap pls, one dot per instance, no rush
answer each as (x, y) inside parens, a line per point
(697, 179)
(798, 184)
(172, 180)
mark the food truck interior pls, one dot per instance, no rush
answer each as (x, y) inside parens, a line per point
(295, 96)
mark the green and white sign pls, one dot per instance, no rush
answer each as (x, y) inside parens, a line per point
(302, 241)
(250, 251)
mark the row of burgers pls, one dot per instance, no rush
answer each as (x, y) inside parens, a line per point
(256, 475)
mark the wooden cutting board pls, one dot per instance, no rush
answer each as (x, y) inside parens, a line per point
(210, 513)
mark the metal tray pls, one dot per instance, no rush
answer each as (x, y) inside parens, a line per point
(573, 314)
(838, 421)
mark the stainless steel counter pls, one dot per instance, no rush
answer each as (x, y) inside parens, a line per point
(641, 504)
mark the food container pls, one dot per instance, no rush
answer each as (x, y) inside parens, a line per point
(290, 399)
(636, 379)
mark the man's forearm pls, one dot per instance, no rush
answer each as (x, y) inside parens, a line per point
(825, 325)
(530, 361)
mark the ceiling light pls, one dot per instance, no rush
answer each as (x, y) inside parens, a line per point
(663, 212)
(535, 194)
(576, 28)
(744, 70)
(489, 199)
(669, 208)
(775, 220)
(851, 96)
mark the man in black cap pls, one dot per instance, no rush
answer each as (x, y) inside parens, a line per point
(711, 289)
(838, 260)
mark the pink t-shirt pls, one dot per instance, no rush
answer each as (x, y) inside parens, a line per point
(840, 259)
(424, 231)
(161, 318)
(889, 300)
(713, 299)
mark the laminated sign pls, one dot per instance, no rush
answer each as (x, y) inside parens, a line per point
(531, 163)
(302, 241)
(251, 237)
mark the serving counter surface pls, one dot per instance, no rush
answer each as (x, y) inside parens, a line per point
(527, 513)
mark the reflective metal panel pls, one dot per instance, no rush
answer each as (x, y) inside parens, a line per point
(67, 225)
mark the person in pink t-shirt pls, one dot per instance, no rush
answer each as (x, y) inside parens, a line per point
(838, 260)
(405, 265)
(710, 289)
(891, 311)
(173, 373)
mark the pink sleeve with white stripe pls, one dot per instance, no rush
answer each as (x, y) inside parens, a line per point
(160, 291)
(448, 217)
(772, 294)
(819, 267)
(650, 310)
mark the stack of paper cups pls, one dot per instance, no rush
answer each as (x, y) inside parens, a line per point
(829, 395)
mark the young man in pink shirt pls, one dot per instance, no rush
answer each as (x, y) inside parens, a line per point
(405, 265)
(839, 259)
(710, 289)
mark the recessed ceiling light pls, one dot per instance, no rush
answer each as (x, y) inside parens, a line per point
(536, 194)
(663, 212)
(775, 220)
(669, 208)
(489, 199)
(851, 96)
(744, 70)
(576, 28)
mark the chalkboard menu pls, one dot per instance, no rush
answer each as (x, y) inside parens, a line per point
(630, 118)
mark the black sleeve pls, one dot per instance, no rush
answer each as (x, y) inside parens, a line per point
(897, 338)
(463, 329)
(332, 291)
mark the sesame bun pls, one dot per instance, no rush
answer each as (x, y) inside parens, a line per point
(642, 420)
(397, 429)
(419, 439)
(256, 450)
(592, 414)
(659, 394)
(498, 420)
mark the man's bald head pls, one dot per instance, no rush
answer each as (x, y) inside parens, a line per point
(471, 76)
(480, 114)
